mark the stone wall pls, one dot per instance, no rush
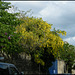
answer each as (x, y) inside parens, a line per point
(24, 64)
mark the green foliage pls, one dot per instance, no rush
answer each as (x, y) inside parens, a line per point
(4, 5)
(68, 55)
(34, 36)
(8, 18)
(9, 40)
(58, 32)
(37, 39)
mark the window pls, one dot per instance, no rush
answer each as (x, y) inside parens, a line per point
(3, 69)
(14, 71)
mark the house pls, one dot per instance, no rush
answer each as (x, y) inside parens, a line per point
(58, 67)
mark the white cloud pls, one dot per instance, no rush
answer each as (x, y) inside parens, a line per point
(51, 10)
(57, 9)
(59, 13)
(70, 40)
(54, 9)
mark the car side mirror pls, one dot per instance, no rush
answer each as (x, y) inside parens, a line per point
(22, 73)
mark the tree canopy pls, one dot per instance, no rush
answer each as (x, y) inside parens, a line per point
(33, 36)
(8, 38)
(68, 55)
(39, 41)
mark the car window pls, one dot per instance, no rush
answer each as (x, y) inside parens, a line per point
(14, 71)
(4, 69)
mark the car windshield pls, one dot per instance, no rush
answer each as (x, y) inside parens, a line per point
(3, 69)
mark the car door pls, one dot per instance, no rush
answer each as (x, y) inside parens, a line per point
(4, 69)
(13, 71)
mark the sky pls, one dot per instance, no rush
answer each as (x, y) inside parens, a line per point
(59, 13)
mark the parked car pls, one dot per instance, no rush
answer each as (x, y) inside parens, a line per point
(9, 69)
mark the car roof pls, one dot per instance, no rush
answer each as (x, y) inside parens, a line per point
(6, 64)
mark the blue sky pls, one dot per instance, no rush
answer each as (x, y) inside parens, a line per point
(59, 13)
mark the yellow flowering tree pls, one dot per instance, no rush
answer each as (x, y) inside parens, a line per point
(39, 41)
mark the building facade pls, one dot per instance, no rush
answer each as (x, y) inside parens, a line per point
(58, 67)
